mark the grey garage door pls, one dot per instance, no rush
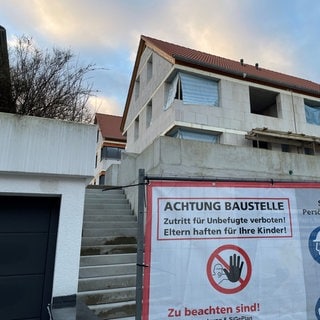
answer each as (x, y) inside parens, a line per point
(28, 232)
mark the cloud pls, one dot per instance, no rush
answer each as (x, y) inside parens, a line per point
(105, 104)
(107, 32)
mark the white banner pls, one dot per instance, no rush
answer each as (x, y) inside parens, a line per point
(232, 251)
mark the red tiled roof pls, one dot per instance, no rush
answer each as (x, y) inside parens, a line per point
(183, 55)
(199, 60)
(110, 126)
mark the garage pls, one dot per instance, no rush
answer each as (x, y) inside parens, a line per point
(28, 233)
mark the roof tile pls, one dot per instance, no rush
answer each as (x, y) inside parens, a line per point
(110, 126)
(226, 66)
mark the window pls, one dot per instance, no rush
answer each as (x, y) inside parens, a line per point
(285, 147)
(98, 131)
(312, 111)
(263, 102)
(111, 153)
(149, 114)
(309, 151)
(260, 144)
(283, 140)
(193, 89)
(137, 88)
(136, 128)
(195, 135)
(149, 68)
(101, 179)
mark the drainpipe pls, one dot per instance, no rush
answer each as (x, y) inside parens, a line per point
(6, 101)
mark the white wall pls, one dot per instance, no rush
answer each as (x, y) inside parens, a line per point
(52, 158)
(46, 146)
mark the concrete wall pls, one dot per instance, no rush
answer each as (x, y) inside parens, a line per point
(45, 146)
(171, 157)
(53, 158)
(150, 90)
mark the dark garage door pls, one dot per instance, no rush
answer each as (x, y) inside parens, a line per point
(28, 232)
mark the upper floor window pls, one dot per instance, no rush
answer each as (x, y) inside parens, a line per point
(195, 135)
(98, 132)
(149, 114)
(102, 179)
(263, 102)
(312, 111)
(149, 68)
(136, 128)
(284, 141)
(193, 89)
(137, 88)
(111, 153)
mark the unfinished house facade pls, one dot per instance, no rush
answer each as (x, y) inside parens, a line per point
(109, 145)
(194, 114)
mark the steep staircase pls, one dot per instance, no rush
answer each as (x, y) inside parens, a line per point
(108, 255)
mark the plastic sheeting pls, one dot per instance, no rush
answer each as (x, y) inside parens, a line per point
(196, 136)
(195, 90)
(312, 114)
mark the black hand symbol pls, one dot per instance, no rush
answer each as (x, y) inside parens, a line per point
(235, 269)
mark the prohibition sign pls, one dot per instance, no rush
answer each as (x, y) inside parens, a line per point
(216, 256)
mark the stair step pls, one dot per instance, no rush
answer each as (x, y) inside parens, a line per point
(107, 270)
(121, 310)
(108, 211)
(107, 202)
(107, 259)
(109, 206)
(120, 232)
(109, 224)
(109, 282)
(107, 274)
(108, 249)
(102, 190)
(109, 217)
(99, 297)
(105, 195)
(110, 240)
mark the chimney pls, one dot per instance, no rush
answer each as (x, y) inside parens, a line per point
(6, 102)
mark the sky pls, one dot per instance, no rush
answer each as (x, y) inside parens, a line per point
(281, 35)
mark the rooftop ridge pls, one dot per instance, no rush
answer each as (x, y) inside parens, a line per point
(179, 51)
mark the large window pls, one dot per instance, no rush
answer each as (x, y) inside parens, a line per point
(263, 102)
(111, 153)
(193, 89)
(195, 135)
(312, 110)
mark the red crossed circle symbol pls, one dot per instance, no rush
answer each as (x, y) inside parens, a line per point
(217, 257)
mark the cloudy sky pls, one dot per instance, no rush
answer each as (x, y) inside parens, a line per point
(282, 35)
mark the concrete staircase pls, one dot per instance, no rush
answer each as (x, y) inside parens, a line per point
(108, 255)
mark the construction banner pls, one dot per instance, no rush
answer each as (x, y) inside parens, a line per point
(232, 251)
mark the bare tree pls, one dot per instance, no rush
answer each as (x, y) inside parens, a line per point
(49, 84)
